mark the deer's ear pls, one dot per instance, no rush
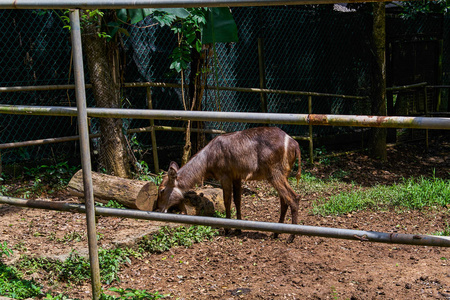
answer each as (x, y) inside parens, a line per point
(173, 169)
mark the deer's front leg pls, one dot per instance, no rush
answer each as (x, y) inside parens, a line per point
(237, 196)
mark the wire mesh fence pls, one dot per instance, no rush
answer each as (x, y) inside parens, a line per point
(306, 48)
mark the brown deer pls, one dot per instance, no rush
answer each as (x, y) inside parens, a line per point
(252, 154)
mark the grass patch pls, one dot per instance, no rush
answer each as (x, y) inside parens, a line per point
(409, 194)
(309, 185)
(11, 282)
(75, 268)
(167, 238)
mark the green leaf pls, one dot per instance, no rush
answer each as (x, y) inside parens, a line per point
(178, 12)
(137, 15)
(220, 26)
(122, 14)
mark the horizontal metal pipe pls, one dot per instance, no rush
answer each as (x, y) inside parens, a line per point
(328, 232)
(266, 118)
(169, 128)
(405, 87)
(113, 4)
(8, 89)
(97, 135)
(438, 86)
(40, 142)
(32, 88)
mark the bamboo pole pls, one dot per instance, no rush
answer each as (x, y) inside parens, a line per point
(176, 85)
(311, 146)
(262, 74)
(152, 131)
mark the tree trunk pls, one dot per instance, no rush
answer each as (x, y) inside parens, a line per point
(130, 193)
(102, 58)
(377, 142)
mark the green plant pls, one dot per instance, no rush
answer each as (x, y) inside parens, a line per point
(77, 268)
(167, 238)
(156, 179)
(3, 188)
(131, 294)
(11, 284)
(124, 294)
(58, 297)
(445, 232)
(58, 174)
(110, 262)
(145, 174)
(71, 237)
(111, 204)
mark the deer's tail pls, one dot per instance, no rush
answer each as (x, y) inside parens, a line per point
(299, 156)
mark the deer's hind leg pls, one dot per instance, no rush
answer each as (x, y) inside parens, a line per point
(283, 210)
(288, 197)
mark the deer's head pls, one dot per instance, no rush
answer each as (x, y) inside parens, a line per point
(169, 194)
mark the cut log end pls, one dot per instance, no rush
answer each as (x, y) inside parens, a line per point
(147, 196)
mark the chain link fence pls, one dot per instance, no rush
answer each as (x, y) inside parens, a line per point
(306, 49)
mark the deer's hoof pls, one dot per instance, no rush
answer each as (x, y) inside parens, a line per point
(291, 239)
(275, 235)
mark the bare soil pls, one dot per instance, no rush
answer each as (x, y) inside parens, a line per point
(252, 265)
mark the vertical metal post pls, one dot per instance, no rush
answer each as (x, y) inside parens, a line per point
(262, 74)
(152, 132)
(311, 146)
(80, 93)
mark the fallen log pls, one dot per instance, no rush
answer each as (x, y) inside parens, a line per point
(134, 194)
(142, 195)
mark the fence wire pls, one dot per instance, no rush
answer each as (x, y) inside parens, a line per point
(318, 49)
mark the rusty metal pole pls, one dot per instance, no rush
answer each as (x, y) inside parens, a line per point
(80, 93)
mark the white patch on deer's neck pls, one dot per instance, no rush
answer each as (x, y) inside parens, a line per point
(285, 153)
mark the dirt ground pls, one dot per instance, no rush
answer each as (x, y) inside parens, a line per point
(251, 265)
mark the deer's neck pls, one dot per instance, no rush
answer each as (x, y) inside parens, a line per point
(193, 172)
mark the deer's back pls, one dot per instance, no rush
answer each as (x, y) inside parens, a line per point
(252, 154)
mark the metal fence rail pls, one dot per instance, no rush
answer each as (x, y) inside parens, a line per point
(267, 118)
(95, 4)
(327, 232)
(148, 85)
